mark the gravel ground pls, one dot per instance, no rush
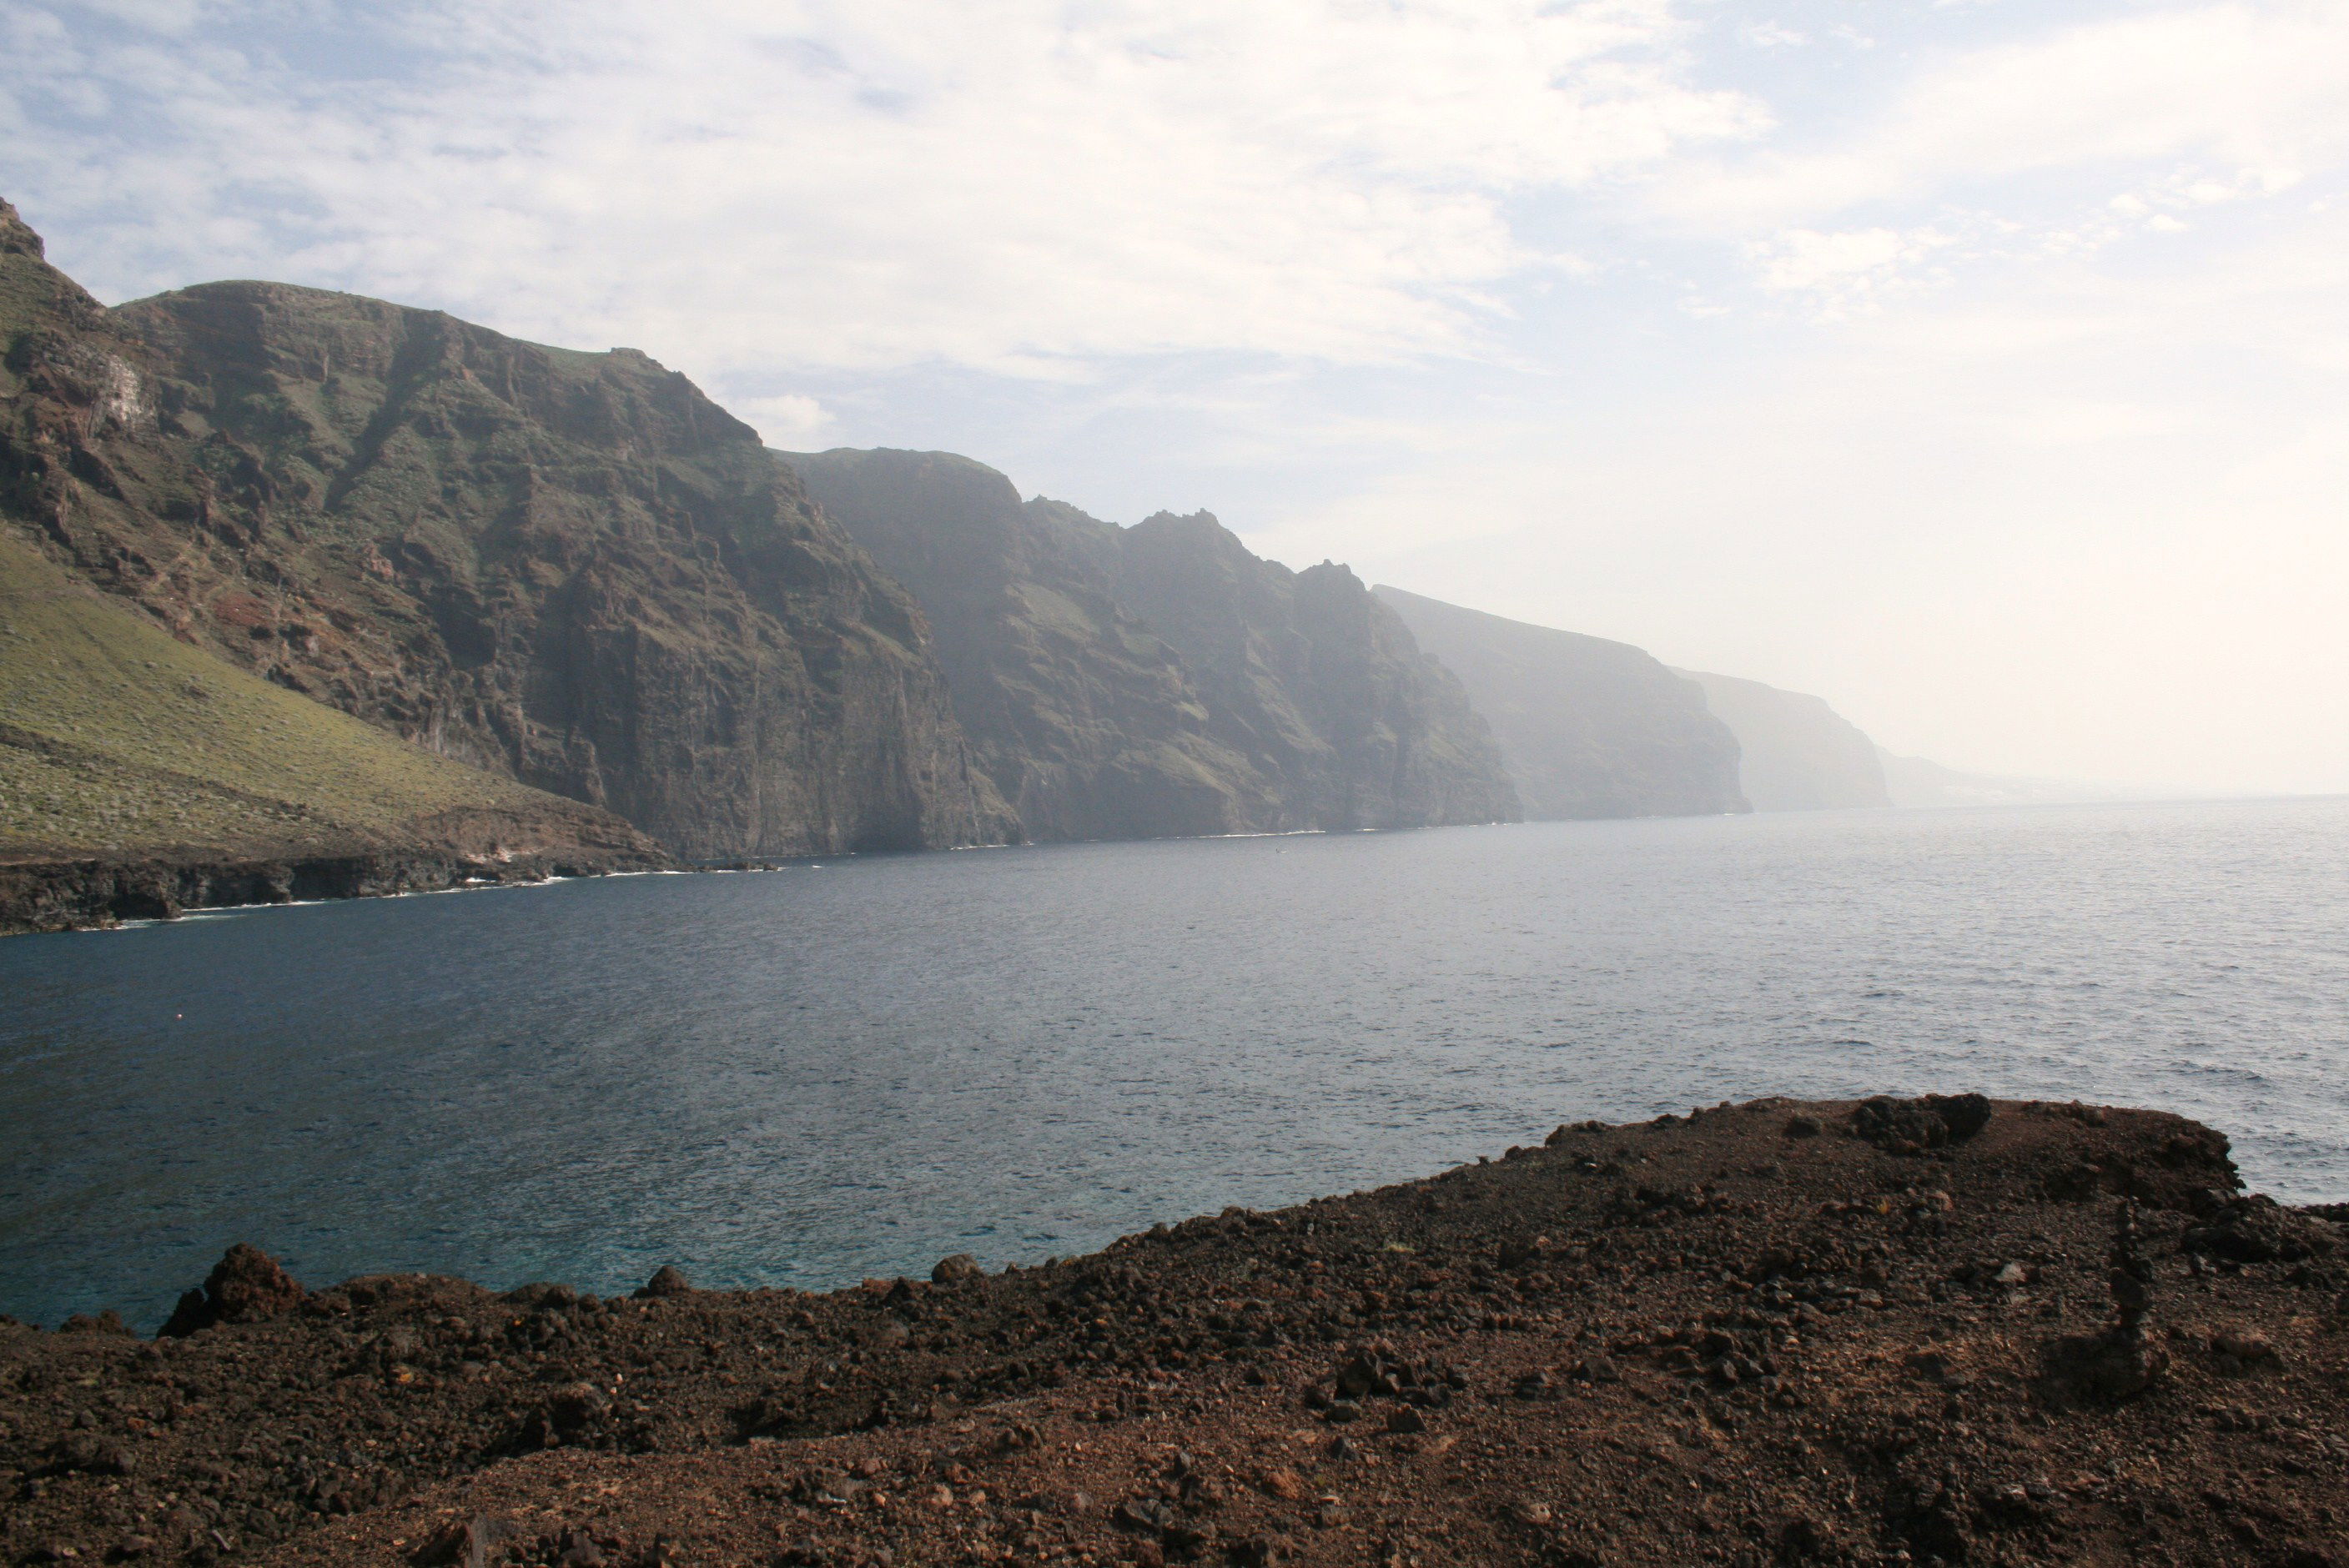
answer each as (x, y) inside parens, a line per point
(1887, 1333)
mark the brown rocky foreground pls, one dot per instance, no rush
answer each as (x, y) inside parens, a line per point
(1901, 1332)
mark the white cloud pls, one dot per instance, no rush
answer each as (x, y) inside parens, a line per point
(1000, 184)
(789, 421)
(1847, 270)
(1989, 382)
(2242, 88)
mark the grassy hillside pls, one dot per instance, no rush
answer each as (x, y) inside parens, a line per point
(117, 738)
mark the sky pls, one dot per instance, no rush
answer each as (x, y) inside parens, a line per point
(1981, 365)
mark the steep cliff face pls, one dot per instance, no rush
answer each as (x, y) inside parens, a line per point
(139, 775)
(1085, 721)
(570, 568)
(1321, 687)
(1799, 754)
(1161, 680)
(1592, 729)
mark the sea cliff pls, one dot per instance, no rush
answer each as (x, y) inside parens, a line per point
(1163, 680)
(569, 569)
(1591, 728)
(1795, 753)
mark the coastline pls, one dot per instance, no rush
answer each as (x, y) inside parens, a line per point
(94, 891)
(1769, 1333)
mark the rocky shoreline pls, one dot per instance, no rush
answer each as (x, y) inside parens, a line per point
(1896, 1332)
(95, 892)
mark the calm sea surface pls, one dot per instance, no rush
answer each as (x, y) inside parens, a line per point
(851, 1067)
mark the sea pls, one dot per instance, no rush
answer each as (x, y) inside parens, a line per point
(849, 1068)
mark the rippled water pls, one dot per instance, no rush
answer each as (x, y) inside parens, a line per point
(849, 1068)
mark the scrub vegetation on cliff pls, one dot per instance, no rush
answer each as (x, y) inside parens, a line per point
(117, 737)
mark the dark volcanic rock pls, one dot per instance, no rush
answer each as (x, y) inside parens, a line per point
(247, 1285)
(1161, 680)
(1913, 1125)
(1749, 1352)
(667, 1280)
(69, 892)
(1592, 729)
(570, 568)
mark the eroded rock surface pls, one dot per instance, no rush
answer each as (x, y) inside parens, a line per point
(1693, 1340)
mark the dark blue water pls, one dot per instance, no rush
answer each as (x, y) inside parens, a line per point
(816, 1075)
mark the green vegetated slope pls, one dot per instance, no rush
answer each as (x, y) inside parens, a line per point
(1592, 727)
(1161, 680)
(118, 739)
(569, 568)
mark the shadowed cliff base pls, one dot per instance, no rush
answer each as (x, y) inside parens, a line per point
(1941, 1329)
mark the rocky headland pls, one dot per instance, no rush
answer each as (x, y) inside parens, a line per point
(1795, 753)
(1893, 1332)
(1591, 728)
(142, 776)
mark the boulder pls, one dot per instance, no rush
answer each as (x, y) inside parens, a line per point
(247, 1285)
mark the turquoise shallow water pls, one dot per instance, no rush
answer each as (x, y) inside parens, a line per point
(850, 1067)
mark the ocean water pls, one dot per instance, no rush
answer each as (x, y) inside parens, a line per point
(851, 1067)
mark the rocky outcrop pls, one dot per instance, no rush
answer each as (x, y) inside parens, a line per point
(571, 569)
(247, 1285)
(1162, 680)
(79, 892)
(1591, 728)
(1797, 754)
(1690, 1340)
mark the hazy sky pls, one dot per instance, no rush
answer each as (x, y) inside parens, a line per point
(1981, 366)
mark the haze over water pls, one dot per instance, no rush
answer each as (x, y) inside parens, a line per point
(851, 1067)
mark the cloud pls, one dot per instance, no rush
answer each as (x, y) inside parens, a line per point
(1007, 184)
(789, 420)
(1853, 269)
(2242, 91)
